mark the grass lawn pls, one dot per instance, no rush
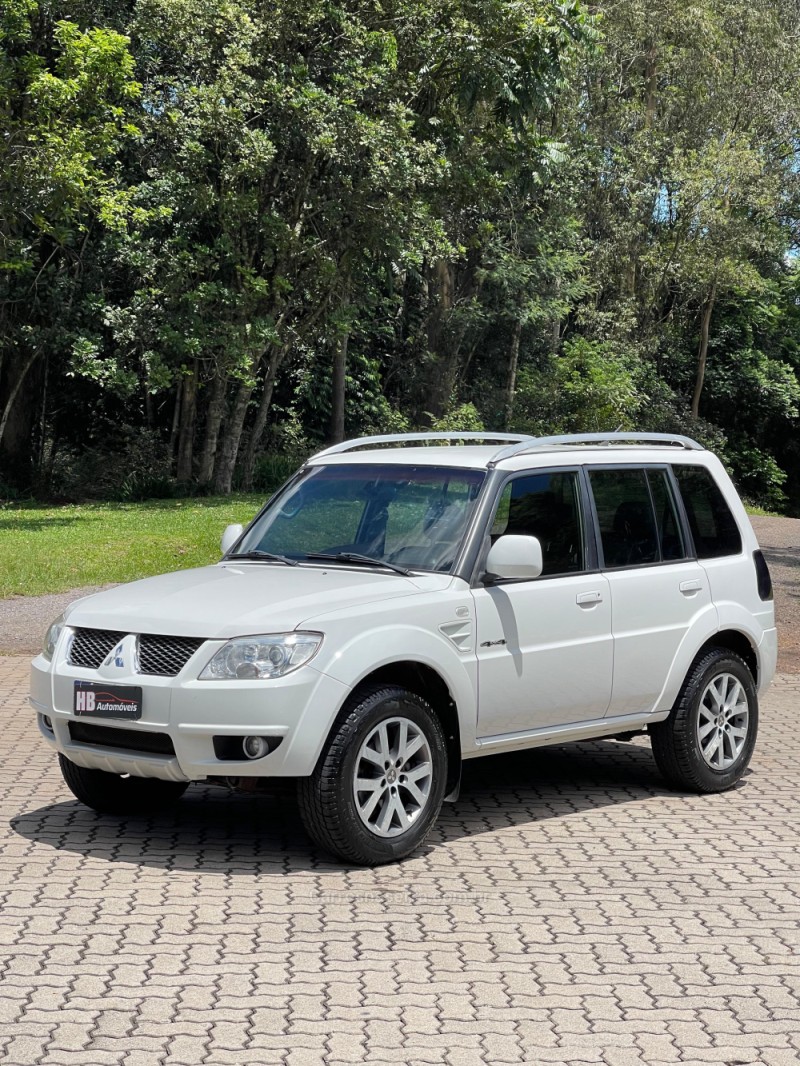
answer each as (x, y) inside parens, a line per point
(52, 549)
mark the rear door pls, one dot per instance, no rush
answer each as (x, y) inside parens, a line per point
(544, 645)
(657, 586)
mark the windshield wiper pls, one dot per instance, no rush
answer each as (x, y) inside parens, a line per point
(270, 557)
(354, 557)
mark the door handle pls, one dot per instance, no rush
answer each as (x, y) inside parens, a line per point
(688, 588)
(588, 597)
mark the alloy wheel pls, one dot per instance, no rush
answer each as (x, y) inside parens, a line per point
(723, 720)
(393, 777)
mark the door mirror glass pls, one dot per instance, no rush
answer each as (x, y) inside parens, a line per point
(514, 557)
(230, 536)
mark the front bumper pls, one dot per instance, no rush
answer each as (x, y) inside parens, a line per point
(298, 710)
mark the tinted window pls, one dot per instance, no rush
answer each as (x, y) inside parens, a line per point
(668, 527)
(546, 506)
(713, 526)
(625, 512)
(413, 516)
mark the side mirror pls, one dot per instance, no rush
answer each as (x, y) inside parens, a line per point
(230, 536)
(514, 557)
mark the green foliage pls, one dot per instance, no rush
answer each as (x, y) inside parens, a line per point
(589, 387)
(271, 470)
(234, 231)
(130, 465)
(463, 418)
(760, 478)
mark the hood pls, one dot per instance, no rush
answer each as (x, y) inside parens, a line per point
(236, 599)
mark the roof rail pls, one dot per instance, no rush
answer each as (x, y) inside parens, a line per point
(397, 438)
(672, 440)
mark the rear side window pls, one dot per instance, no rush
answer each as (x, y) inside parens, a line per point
(713, 526)
(637, 517)
(546, 506)
(668, 526)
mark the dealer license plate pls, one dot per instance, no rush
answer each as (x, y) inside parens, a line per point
(93, 700)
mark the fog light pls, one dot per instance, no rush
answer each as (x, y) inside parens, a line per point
(255, 747)
(47, 723)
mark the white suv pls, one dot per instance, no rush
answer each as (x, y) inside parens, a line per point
(398, 607)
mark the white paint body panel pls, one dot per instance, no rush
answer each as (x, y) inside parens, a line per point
(568, 670)
(652, 617)
(555, 663)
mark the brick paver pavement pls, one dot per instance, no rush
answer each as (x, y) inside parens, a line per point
(568, 910)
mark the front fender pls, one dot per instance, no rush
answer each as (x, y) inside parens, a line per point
(366, 653)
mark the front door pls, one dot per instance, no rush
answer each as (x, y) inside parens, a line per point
(545, 653)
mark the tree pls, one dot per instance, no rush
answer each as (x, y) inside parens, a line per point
(63, 98)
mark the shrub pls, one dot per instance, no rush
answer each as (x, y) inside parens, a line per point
(133, 464)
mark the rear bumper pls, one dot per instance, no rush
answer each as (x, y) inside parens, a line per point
(767, 659)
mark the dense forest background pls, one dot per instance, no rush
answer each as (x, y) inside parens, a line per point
(232, 230)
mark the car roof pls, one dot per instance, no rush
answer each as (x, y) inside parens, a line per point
(471, 457)
(481, 457)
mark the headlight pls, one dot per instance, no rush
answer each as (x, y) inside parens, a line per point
(51, 637)
(270, 655)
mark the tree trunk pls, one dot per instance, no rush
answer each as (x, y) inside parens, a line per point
(702, 352)
(511, 374)
(43, 416)
(187, 423)
(338, 389)
(150, 415)
(216, 409)
(226, 455)
(15, 391)
(260, 422)
(176, 412)
(441, 347)
(651, 85)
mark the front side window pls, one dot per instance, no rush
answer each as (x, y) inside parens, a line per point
(637, 516)
(546, 506)
(713, 526)
(412, 516)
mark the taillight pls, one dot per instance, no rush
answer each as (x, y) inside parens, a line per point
(763, 579)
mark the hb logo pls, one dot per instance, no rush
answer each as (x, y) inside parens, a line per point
(84, 701)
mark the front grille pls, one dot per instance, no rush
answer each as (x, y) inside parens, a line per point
(91, 646)
(130, 739)
(166, 656)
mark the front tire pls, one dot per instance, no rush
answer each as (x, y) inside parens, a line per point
(707, 742)
(378, 786)
(109, 793)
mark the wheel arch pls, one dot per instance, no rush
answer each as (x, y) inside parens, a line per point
(426, 682)
(702, 636)
(739, 643)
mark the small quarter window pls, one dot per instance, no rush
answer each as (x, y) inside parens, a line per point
(546, 506)
(713, 527)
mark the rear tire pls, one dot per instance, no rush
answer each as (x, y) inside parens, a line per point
(378, 786)
(707, 742)
(111, 794)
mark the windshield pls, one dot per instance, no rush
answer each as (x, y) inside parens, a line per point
(410, 516)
